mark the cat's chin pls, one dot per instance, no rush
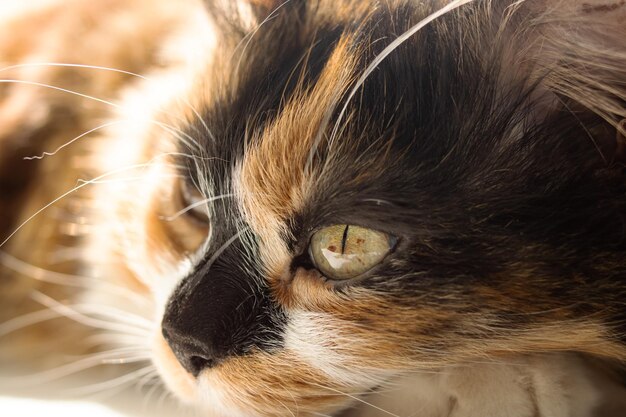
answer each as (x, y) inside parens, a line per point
(201, 393)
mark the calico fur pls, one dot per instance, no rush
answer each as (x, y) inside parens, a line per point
(488, 143)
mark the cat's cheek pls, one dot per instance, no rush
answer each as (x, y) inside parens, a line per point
(175, 377)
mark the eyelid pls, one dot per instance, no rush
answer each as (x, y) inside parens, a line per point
(193, 201)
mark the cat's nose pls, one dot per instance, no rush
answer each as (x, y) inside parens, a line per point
(221, 310)
(193, 355)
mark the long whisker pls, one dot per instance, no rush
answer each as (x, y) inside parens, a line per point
(372, 67)
(62, 371)
(40, 274)
(53, 87)
(225, 246)
(392, 47)
(194, 205)
(26, 320)
(129, 179)
(115, 313)
(58, 278)
(362, 401)
(59, 64)
(271, 16)
(44, 154)
(157, 384)
(82, 318)
(114, 339)
(78, 187)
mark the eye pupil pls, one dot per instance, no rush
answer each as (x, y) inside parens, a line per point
(344, 238)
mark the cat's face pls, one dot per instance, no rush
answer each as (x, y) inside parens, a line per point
(305, 234)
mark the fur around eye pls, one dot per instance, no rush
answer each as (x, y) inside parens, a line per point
(193, 202)
(345, 251)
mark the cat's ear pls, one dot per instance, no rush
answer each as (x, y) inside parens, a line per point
(244, 15)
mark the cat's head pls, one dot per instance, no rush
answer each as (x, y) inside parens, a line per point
(320, 221)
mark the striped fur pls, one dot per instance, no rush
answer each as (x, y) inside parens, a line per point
(490, 143)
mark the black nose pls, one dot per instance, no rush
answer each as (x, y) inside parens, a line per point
(192, 354)
(221, 310)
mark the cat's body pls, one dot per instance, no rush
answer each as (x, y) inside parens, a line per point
(484, 148)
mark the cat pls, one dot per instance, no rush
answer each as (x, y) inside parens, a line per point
(322, 207)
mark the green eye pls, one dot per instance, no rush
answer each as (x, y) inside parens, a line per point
(346, 251)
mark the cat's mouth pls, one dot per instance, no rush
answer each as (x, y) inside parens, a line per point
(256, 384)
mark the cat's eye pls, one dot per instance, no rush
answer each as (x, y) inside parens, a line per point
(346, 251)
(193, 202)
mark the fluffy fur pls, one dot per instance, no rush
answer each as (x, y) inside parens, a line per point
(490, 143)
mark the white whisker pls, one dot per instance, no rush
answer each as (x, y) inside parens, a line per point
(84, 319)
(76, 93)
(61, 371)
(44, 275)
(271, 16)
(225, 246)
(58, 64)
(193, 206)
(44, 154)
(371, 68)
(78, 187)
(362, 401)
(26, 320)
(392, 47)
(129, 179)
(112, 383)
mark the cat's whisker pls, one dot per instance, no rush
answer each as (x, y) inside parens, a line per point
(201, 120)
(369, 70)
(153, 379)
(26, 320)
(168, 128)
(185, 138)
(66, 144)
(113, 356)
(70, 65)
(76, 188)
(84, 319)
(41, 274)
(194, 205)
(62, 371)
(115, 339)
(64, 90)
(112, 383)
(224, 247)
(112, 312)
(36, 317)
(271, 16)
(354, 397)
(91, 67)
(58, 278)
(128, 179)
(388, 50)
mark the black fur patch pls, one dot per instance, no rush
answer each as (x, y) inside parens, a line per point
(482, 188)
